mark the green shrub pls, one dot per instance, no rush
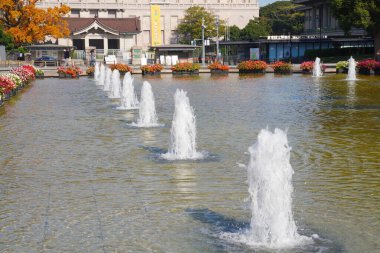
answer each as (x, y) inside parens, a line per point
(347, 51)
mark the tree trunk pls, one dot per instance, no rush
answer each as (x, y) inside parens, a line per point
(376, 37)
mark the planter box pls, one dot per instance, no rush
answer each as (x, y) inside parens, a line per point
(283, 72)
(61, 75)
(185, 73)
(40, 76)
(123, 72)
(307, 71)
(251, 71)
(364, 71)
(91, 74)
(219, 72)
(341, 71)
(7, 96)
(148, 73)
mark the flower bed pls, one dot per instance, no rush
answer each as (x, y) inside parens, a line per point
(123, 68)
(40, 74)
(281, 67)
(90, 71)
(252, 66)
(307, 67)
(217, 68)
(69, 72)
(365, 67)
(15, 80)
(185, 69)
(376, 68)
(341, 67)
(154, 69)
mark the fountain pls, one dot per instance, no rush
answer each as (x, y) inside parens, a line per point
(147, 112)
(96, 72)
(107, 80)
(183, 132)
(317, 68)
(351, 76)
(270, 188)
(128, 97)
(115, 84)
(102, 75)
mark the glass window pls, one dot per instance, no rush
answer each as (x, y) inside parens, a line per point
(302, 49)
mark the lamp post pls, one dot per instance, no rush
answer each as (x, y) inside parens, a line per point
(203, 43)
(290, 47)
(217, 38)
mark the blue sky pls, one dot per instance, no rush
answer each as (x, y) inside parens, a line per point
(265, 2)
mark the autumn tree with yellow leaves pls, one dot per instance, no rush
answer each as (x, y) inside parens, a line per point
(27, 23)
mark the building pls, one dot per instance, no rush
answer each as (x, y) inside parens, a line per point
(99, 23)
(319, 19)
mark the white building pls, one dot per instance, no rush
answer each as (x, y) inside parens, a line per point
(234, 12)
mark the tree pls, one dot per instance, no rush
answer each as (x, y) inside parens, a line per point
(359, 13)
(6, 40)
(27, 23)
(254, 29)
(191, 26)
(235, 33)
(282, 17)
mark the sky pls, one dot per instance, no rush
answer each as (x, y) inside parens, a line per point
(265, 2)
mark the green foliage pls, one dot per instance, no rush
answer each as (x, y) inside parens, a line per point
(191, 26)
(357, 13)
(235, 33)
(342, 65)
(6, 40)
(275, 19)
(282, 17)
(254, 29)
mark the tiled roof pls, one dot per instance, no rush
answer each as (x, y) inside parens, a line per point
(120, 25)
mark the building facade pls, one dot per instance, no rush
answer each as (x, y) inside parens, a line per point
(319, 19)
(234, 12)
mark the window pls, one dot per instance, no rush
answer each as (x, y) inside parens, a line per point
(113, 44)
(74, 13)
(112, 13)
(93, 13)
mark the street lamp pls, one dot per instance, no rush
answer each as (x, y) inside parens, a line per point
(217, 38)
(203, 42)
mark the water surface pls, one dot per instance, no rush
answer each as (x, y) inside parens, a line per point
(75, 177)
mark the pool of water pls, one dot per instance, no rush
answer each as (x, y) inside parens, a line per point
(75, 177)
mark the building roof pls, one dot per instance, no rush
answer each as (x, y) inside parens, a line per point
(175, 47)
(48, 47)
(112, 25)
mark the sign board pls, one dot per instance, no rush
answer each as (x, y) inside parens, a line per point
(254, 54)
(136, 55)
(155, 25)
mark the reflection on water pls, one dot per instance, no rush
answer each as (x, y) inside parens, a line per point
(74, 177)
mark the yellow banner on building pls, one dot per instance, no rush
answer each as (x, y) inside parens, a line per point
(155, 25)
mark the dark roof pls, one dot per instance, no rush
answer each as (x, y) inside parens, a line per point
(120, 25)
(48, 47)
(175, 47)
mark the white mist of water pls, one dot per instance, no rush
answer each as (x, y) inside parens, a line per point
(102, 75)
(115, 87)
(96, 72)
(270, 189)
(147, 112)
(107, 80)
(317, 68)
(183, 132)
(351, 76)
(128, 97)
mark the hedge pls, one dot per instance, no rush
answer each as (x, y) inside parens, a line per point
(347, 51)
